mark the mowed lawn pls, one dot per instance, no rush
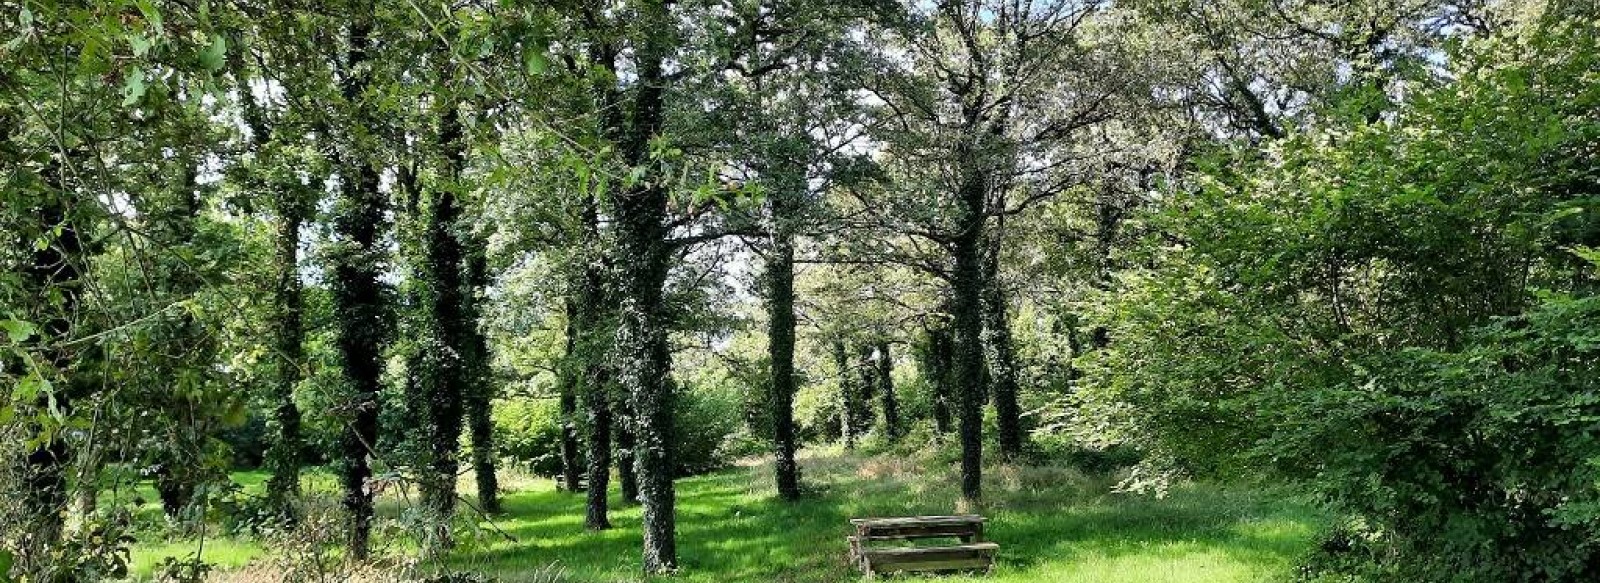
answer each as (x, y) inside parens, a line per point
(1052, 524)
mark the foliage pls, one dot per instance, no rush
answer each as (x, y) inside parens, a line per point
(705, 437)
(1390, 315)
(529, 432)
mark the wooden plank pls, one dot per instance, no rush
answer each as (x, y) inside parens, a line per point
(896, 553)
(918, 521)
(983, 563)
(916, 532)
(970, 556)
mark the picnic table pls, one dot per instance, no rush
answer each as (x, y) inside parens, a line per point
(969, 552)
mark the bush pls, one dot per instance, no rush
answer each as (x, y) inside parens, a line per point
(706, 437)
(1398, 317)
(1063, 449)
(707, 422)
(529, 432)
(248, 442)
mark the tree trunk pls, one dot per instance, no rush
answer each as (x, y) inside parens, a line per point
(358, 303)
(597, 444)
(847, 394)
(643, 357)
(1003, 369)
(780, 348)
(642, 255)
(891, 407)
(967, 316)
(626, 442)
(285, 453)
(866, 389)
(44, 483)
(939, 372)
(445, 268)
(481, 392)
(595, 328)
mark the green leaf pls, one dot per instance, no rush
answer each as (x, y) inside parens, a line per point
(29, 387)
(535, 61)
(17, 330)
(6, 558)
(212, 58)
(133, 88)
(1590, 254)
(141, 44)
(151, 14)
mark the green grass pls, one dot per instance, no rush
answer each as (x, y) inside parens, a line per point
(1052, 524)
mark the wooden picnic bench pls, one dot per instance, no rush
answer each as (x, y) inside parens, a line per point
(971, 552)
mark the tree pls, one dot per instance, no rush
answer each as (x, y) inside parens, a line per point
(288, 202)
(481, 385)
(984, 106)
(359, 305)
(892, 427)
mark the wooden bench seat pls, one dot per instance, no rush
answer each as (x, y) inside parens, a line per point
(967, 527)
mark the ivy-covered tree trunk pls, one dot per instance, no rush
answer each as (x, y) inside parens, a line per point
(358, 302)
(847, 394)
(967, 324)
(626, 442)
(54, 270)
(450, 327)
(1003, 369)
(867, 388)
(780, 349)
(891, 405)
(594, 321)
(940, 354)
(642, 354)
(597, 445)
(642, 257)
(172, 215)
(286, 451)
(284, 454)
(479, 400)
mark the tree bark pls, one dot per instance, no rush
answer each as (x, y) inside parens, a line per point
(44, 482)
(1003, 369)
(593, 322)
(358, 303)
(287, 450)
(847, 394)
(867, 388)
(940, 355)
(967, 312)
(642, 257)
(891, 406)
(626, 442)
(445, 268)
(780, 349)
(481, 392)
(285, 453)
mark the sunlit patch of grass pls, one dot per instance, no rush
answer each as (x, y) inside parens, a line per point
(1052, 524)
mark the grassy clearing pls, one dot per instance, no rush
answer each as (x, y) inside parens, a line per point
(1052, 524)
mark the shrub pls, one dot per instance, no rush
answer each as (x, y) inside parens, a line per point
(707, 420)
(529, 432)
(706, 436)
